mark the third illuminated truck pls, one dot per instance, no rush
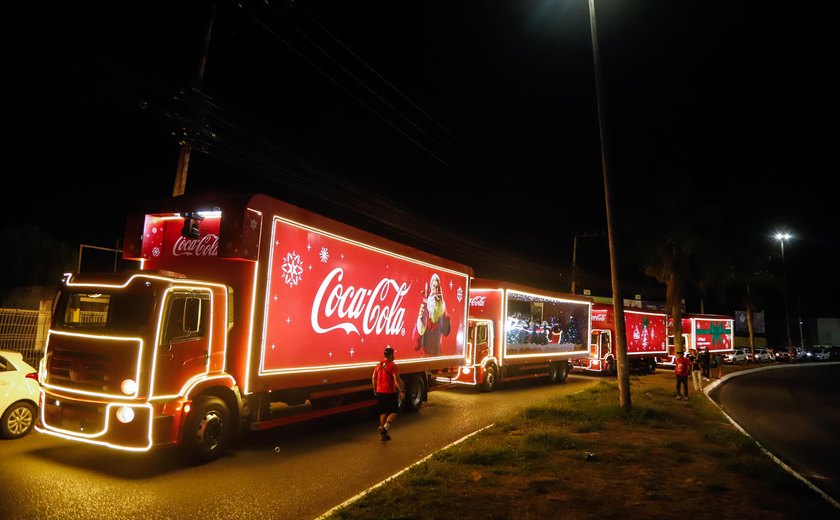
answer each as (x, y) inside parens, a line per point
(646, 338)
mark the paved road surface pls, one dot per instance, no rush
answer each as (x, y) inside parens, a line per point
(794, 412)
(317, 465)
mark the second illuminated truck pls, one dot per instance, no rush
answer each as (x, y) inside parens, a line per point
(519, 332)
(248, 313)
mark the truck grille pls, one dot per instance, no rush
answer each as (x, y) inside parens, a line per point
(80, 370)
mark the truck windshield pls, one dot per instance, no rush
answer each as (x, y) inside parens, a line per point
(112, 312)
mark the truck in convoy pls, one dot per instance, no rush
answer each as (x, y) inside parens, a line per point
(518, 332)
(247, 313)
(646, 336)
(712, 332)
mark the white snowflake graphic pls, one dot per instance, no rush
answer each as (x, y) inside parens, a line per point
(253, 224)
(324, 255)
(155, 252)
(292, 269)
(460, 294)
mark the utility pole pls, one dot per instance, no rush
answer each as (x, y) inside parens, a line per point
(618, 301)
(195, 120)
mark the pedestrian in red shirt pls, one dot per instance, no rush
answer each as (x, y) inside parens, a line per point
(386, 384)
(682, 366)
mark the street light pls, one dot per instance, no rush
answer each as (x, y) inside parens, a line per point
(781, 237)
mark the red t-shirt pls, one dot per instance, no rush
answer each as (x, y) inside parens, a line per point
(385, 372)
(681, 366)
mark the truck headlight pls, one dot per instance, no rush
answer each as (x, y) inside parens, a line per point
(128, 386)
(125, 414)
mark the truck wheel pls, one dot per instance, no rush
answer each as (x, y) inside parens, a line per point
(207, 430)
(557, 372)
(490, 381)
(414, 393)
(651, 368)
(611, 369)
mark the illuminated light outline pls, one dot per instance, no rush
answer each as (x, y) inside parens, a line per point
(91, 438)
(296, 370)
(252, 317)
(92, 337)
(182, 285)
(568, 354)
(251, 320)
(201, 287)
(194, 381)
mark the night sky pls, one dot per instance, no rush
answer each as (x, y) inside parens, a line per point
(466, 128)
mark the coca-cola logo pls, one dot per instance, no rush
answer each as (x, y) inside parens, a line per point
(599, 316)
(378, 310)
(208, 245)
(478, 301)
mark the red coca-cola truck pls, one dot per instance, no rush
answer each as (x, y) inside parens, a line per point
(518, 332)
(646, 337)
(247, 313)
(704, 332)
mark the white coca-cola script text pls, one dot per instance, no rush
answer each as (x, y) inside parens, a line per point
(208, 245)
(378, 310)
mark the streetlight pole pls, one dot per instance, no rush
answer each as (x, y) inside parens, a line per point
(781, 237)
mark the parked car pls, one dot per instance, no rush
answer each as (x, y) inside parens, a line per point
(781, 355)
(19, 391)
(817, 353)
(736, 357)
(762, 355)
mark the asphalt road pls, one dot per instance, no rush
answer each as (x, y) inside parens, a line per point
(793, 411)
(295, 473)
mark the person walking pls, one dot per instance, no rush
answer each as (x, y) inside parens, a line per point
(681, 369)
(696, 370)
(389, 390)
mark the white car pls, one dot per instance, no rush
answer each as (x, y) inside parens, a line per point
(737, 357)
(762, 355)
(19, 392)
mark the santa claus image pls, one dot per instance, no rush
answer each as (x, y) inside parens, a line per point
(432, 320)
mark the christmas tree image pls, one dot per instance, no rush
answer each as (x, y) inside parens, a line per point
(572, 334)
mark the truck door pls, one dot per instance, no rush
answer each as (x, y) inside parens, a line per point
(184, 345)
(483, 348)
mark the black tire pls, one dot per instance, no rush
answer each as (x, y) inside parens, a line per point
(651, 366)
(491, 379)
(557, 372)
(565, 368)
(415, 393)
(18, 420)
(207, 431)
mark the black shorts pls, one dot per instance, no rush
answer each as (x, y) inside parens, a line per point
(388, 403)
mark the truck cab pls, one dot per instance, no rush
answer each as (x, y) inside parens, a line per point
(126, 353)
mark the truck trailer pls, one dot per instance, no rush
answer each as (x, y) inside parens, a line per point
(645, 335)
(704, 332)
(519, 332)
(246, 313)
